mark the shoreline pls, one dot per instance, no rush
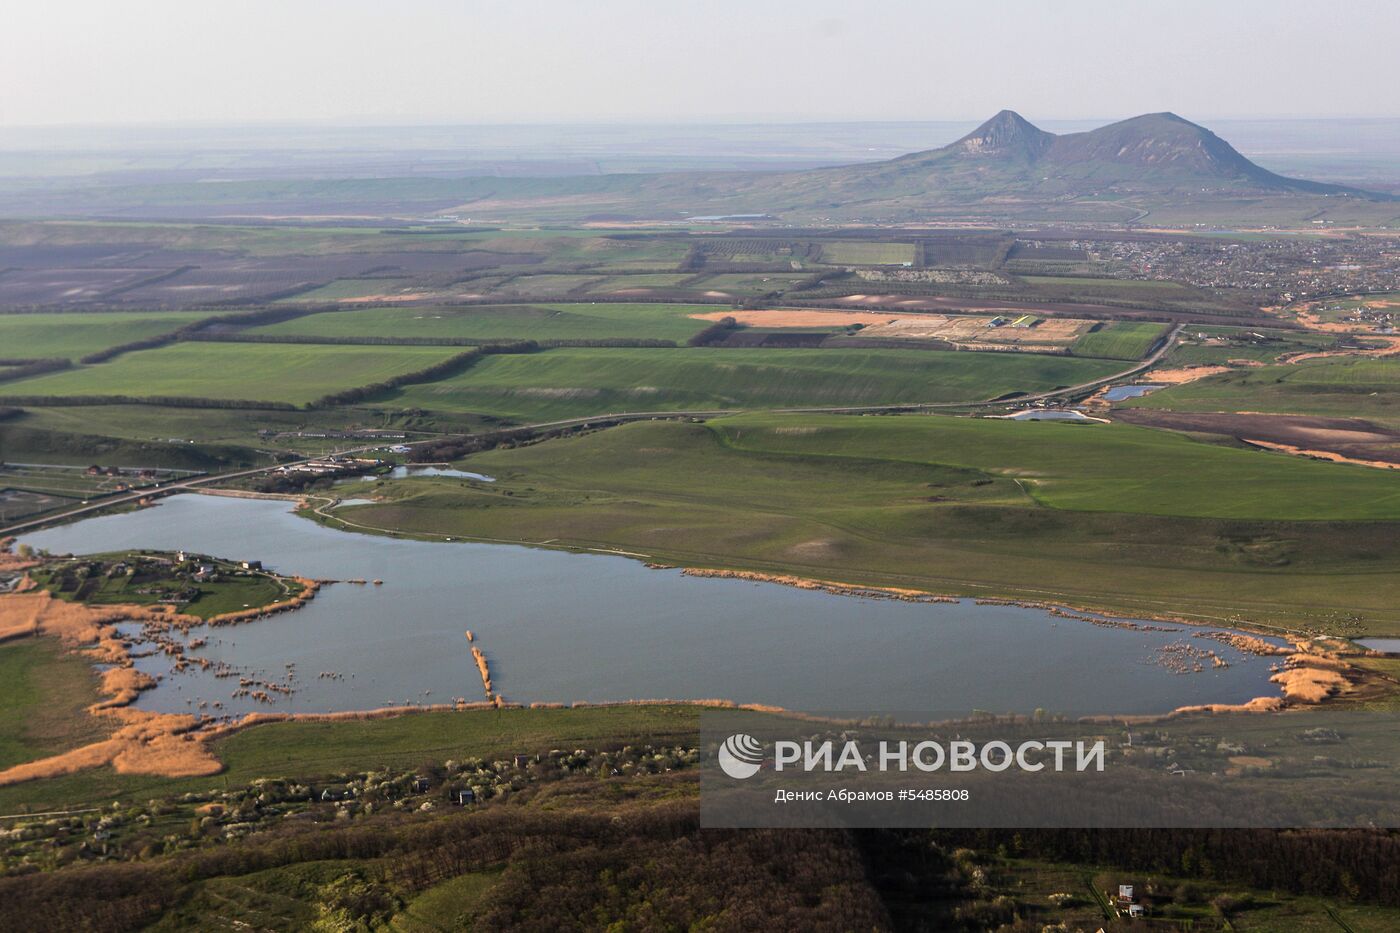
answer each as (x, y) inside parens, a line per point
(179, 744)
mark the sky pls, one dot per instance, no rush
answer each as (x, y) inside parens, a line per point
(678, 61)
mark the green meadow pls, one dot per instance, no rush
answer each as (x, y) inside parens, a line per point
(583, 320)
(857, 253)
(1120, 340)
(44, 691)
(73, 335)
(263, 372)
(581, 381)
(346, 289)
(1340, 387)
(1111, 517)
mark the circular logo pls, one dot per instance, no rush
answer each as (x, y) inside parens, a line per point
(741, 756)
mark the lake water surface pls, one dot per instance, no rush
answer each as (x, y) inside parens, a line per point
(562, 627)
(1122, 393)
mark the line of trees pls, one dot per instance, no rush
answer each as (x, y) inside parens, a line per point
(715, 333)
(451, 366)
(23, 369)
(165, 401)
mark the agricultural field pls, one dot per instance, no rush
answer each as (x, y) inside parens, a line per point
(1120, 340)
(1112, 517)
(858, 253)
(532, 286)
(230, 432)
(582, 320)
(274, 373)
(578, 381)
(381, 289)
(74, 335)
(1341, 387)
(641, 280)
(748, 284)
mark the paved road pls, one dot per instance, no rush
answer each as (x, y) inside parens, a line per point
(174, 486)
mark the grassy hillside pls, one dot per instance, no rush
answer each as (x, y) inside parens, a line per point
(1094, 468)
(571, 382)
(1347, 387)
(970, 507)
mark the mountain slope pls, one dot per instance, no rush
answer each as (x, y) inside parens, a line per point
(1005, 170)
(1157, 153)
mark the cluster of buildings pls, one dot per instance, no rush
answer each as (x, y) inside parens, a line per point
(1273, 271)
(330, 466)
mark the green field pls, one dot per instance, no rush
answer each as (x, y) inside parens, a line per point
(1119, 340)
(73, 335)
(43, 694)
(619, 283)
(263, 372)
(345, 289)
(110, 427)
(1341, 387)
(547, 285)
(575, 381)
(749, 284)
(1094, 468)
(856, 253)
(1107, 516)
(591, 320)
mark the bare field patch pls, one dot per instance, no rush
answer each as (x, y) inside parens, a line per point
(961, 329)
(781, 317)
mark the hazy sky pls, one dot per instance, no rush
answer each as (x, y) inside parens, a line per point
(473, 61)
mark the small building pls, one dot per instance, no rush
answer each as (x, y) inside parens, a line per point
(420, 784)
(251, 565)
(464, 797)
(1125, 892)
(335, 793)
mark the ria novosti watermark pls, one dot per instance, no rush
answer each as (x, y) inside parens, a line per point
(1319, 768)
(741, 756)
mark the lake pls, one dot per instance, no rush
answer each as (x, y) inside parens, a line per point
(1122, 393)
(561, 627)
(1049, 414)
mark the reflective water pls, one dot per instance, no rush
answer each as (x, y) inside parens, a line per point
(1119, 393)
(560, 626)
